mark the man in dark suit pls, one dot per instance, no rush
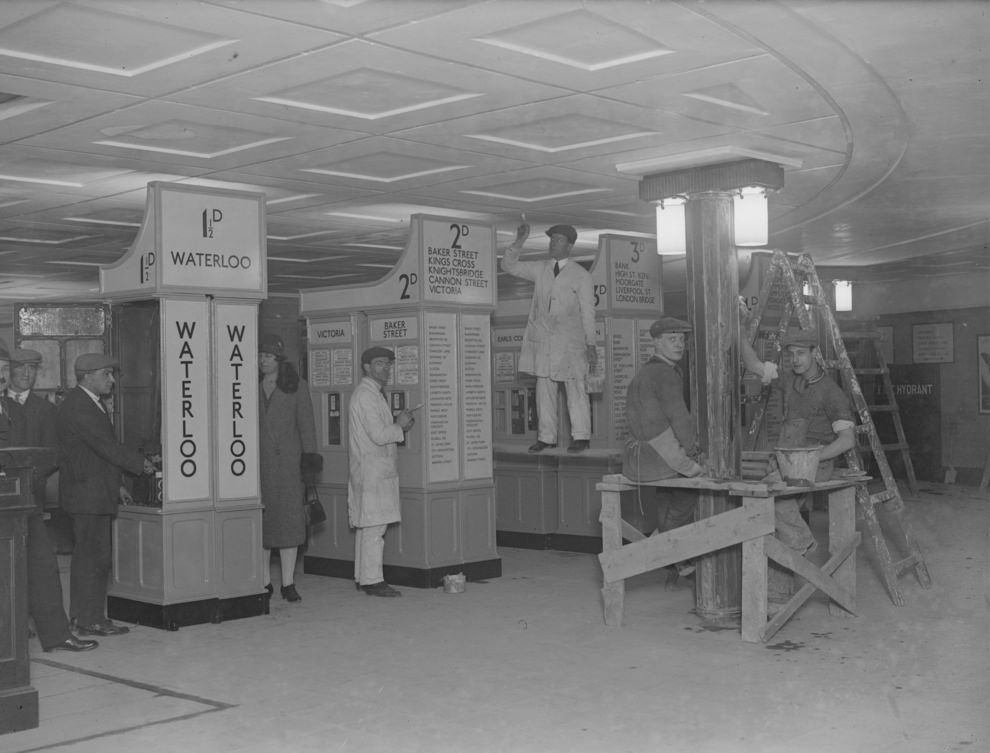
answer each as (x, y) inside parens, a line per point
(30, 422)
(90, 483)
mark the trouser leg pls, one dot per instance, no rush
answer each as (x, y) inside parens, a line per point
(90, 570)
(287, 558)
(369, 552)
(546, 409)
(679, 506)
(578, 408)
(44, 586)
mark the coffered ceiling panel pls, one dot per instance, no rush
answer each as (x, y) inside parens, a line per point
(145, 48)
(351, 115)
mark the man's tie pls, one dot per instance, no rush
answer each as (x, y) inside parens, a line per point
(556, 268)
(17, 397)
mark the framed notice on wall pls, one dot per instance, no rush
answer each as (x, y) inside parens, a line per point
(983, 366)
(933, 343)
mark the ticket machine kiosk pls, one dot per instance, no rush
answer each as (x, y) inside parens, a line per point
(433, 310)
(548, 500)
(184, 300)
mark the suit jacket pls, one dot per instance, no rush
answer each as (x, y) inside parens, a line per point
(561, 317)
(91, 458)
(33, 425)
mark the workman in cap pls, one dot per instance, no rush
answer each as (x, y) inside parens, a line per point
(663, 442)
(816, 413)
(91, 462)
(559, 343)
(373, 483)
(28, 420)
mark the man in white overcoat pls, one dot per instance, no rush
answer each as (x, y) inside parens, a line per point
(559, 343)
(373, 484)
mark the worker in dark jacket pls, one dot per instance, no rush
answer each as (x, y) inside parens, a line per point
(663, 443)
(90, 485)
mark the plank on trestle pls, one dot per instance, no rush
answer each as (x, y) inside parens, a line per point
(754, 518)
(815, 576)
(754, 589)
(806, 590)
(613, 593)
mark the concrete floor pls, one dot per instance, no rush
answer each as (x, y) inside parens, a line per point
(524, 663)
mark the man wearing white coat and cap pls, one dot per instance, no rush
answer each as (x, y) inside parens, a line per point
(373, 483)
(559, 343)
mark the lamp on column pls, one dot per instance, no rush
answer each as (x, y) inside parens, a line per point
(752, 217)
(843, 295)
(749, 179)
(671, 226)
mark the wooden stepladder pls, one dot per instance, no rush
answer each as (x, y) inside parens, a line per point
(863, 344)
(792, 289)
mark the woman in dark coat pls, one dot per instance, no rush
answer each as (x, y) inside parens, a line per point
(287, 449)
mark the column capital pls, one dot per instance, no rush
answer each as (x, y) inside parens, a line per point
(724, 176)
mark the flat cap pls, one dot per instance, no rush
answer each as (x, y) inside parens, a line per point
(272, 344)
(802, 338)
(95, 362)
(25, 355)
(566, 230)
(667, 324)
(377, 351)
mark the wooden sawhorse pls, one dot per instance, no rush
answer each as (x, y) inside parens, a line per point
(752, 526)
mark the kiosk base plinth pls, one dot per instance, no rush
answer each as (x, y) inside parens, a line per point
(175, 616)
(523, 540)
(401, 575)
(18, 709)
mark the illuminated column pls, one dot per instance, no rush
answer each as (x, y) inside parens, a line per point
(712, 293)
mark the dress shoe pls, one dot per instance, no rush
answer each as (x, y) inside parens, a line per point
(539, 446)
(270, 588)
(101, 628)
(289, 593)
(579, 445)
(380, 589)
(74, 644)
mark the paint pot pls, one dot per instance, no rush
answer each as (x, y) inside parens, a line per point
(454, 584)
(798, 465)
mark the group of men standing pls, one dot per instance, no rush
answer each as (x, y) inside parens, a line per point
(91, 462)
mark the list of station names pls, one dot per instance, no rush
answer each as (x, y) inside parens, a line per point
(476, 397)
(441, 376)
(634, 275)
(459, 262)
(623, 366)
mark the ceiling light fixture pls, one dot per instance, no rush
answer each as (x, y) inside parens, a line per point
(671, 226)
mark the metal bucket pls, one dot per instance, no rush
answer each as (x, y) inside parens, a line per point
(454, 584)
(798, 465)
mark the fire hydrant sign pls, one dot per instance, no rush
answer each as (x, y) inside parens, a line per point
(459, 261)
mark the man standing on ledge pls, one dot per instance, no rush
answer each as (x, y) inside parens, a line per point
(559, 344)
(91, 461)
(373, 481)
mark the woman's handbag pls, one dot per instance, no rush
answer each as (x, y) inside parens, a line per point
(315, 513)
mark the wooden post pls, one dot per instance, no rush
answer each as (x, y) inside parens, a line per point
(613, 594)
(841, 530)
(713, 294)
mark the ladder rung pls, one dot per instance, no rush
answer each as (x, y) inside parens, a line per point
(870, 371)
(881, 408)
(898, 446)
(912, 561)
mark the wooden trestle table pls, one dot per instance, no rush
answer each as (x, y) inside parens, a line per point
(751, 525)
